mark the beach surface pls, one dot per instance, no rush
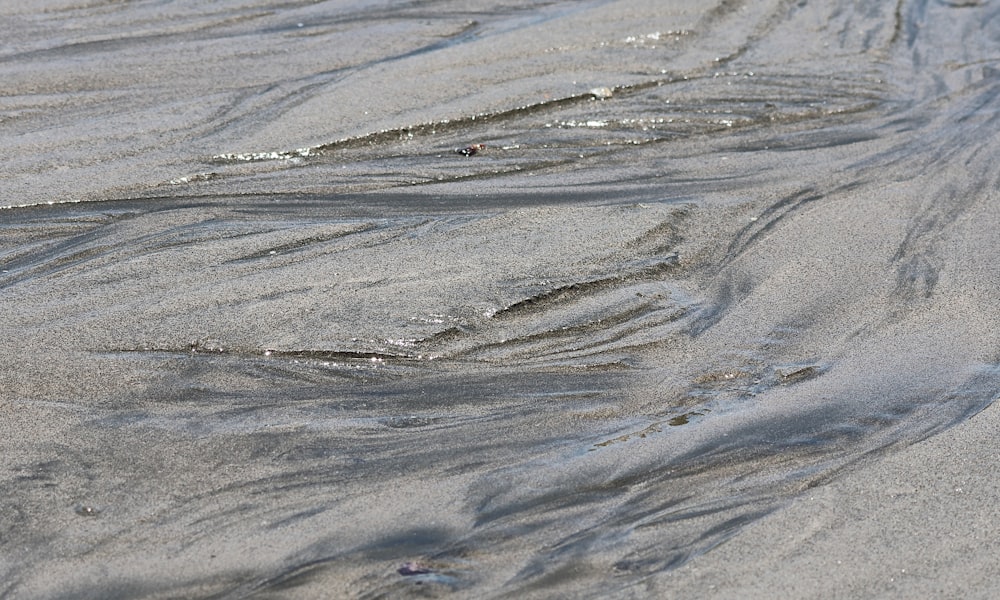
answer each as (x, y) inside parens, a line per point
(490, 299)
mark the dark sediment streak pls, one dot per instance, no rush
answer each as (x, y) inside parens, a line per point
(709, 259)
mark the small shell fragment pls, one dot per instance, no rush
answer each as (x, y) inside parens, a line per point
(414, 568)
(601, 93)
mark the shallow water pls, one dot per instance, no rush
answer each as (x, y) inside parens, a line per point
(266, 333)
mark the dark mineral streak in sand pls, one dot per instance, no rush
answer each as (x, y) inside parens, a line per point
(265, 335)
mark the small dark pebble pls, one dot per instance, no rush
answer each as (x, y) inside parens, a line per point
(679, 420)
(414, 568)
(86, 511)
(471, 150)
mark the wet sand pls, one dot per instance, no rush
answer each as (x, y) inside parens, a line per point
(712, 313)
(920, 522)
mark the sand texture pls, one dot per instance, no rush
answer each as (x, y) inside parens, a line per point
(499, 299)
